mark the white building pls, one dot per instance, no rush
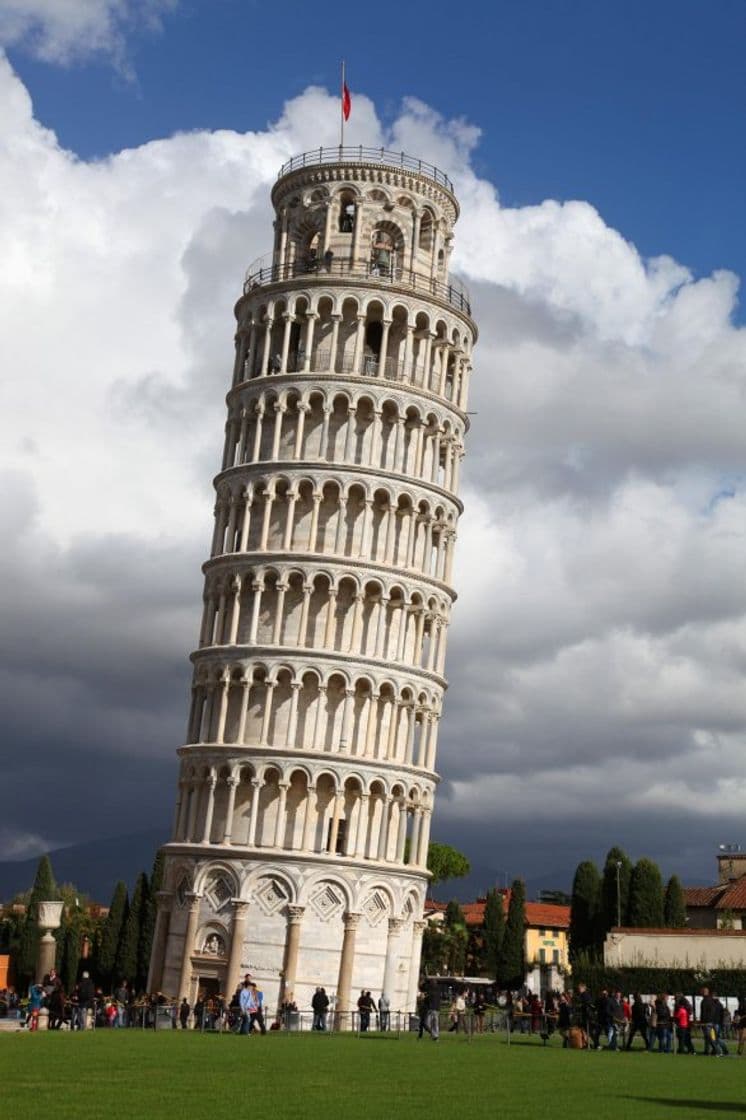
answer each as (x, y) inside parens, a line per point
(306, 783)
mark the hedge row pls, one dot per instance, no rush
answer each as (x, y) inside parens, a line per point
(649, 980)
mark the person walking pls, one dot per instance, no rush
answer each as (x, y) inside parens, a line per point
(256, 1016)
(184, 1012)
(638, 1022)
(708, 1018)
(683, 1017)
(384, 1012)
(739, 1024)
(247, 1004)
(430, 1012)
(663, 1023)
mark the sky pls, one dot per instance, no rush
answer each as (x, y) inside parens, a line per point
(598, 647)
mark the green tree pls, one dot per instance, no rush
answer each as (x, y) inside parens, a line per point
(493, 927)
(70, 955)
(645, 895)
(674, 907)
(111, 935)
(584, 908)
(445, 862)
(614, 893)
(147, 924)
(511, 968)
(43, 890)
(458, 937)
(127, 960)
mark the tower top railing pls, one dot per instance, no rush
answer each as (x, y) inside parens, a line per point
(268, 270)
(361, 154)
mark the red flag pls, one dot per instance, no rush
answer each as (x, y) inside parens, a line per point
(346, 101)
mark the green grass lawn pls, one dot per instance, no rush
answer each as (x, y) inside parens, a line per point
(110, 1075)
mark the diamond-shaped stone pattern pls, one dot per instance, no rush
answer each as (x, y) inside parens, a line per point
(326, 902)
(270, 896)
(375, 908)
(219, 893)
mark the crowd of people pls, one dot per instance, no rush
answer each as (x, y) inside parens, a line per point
(608, 1020)
(613, 1022)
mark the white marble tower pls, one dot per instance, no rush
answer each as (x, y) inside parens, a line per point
(306, 783)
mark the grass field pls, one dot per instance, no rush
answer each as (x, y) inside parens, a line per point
(138, 1076)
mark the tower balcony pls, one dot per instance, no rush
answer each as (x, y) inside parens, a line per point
(267, 270)
(359, 154)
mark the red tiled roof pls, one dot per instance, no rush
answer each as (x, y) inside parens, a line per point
(702, 896)
(543, 915)
(734, 896)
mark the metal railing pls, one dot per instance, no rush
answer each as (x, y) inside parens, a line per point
(361, 154)
(267, 270)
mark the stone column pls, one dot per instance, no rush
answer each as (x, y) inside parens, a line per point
(287, 319)
(414, 964)
(238, 930)
(280, 822)
(225, 684)
(279, 611)
(245, 689)
(392, 956)
(248, 497)
(269, 689)
(335, 339)
(160, 941)
(303, 625)
(301, 423)
(228, 830)
(289, 519)
(295, 687)
(292, 945)
(188, 949)
(211, 784)
(256, 784)
(334, 833)
(362, 827)
(257, 587)
(257, 433)
(346, 962)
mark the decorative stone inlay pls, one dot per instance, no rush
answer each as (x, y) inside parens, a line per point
(219, 892)
(327, 901)
(270, 895)
(182, 891)
(375, 908)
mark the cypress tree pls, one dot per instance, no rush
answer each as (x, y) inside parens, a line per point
(493, 927)
(512, 960)
(584, 908)
(127, 960)
(608, 916)
(646, 895)
(43, 890)
(674, 907)
(70, 956)
(147, 923)
(111, 935)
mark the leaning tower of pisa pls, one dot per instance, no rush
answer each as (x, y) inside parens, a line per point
(306, 784)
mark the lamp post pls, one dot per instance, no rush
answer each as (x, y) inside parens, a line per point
(618, 894)
(49, 916)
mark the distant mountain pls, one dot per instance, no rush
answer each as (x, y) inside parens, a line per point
(94, 867)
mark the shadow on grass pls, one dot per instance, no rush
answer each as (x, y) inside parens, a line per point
(700, 1106)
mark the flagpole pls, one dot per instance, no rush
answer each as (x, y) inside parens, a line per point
(342, 111)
